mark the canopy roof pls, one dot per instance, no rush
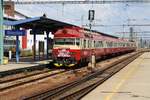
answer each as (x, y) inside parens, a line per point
(41, 23)
(46, 24)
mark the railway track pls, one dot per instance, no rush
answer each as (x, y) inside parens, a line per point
(21, 70)
(77, 89)
(7, 83)
(22, 75)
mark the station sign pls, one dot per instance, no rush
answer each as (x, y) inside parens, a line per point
(15, 32)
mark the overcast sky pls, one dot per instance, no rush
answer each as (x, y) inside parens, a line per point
(105, 14)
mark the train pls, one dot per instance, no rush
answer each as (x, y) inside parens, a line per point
(74, 45)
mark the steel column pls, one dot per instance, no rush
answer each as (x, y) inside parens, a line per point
(47, 47)
(1, 32)
(17, 48)
(34, 45)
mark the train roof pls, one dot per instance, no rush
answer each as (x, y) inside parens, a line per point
(104, 34)
(94, 31)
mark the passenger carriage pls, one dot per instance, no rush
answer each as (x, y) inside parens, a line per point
(74, 45)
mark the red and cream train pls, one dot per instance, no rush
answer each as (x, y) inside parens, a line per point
(74, 45)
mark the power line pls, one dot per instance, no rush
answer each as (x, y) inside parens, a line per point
(82, 2)
(118, 25)
(136, 32)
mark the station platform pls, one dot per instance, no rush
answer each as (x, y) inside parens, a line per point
(25, 62)
(131, 83)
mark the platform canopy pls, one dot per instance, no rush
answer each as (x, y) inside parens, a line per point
(42, 23)
(45, 24)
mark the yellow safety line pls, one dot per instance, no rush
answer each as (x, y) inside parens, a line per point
(123, 79)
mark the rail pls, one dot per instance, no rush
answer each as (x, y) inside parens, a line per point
(77, 89)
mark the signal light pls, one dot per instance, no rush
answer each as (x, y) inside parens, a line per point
(91, 15)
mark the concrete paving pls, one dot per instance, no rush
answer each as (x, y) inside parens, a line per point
(19, 65)
(131, 83)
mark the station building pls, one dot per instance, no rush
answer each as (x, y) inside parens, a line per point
(25, 42)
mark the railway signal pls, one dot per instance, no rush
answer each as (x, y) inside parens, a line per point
(91, 19)
(91, 15)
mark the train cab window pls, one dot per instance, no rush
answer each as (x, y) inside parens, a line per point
(64, 41)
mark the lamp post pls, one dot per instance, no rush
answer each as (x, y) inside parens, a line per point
(1, 31)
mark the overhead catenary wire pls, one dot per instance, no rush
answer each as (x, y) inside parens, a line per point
(79, 1)
(91, 2)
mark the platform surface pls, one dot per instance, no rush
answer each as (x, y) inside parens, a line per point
(19, 65)
(131, 83)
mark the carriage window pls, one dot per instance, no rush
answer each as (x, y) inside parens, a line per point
(100, 44)
(88, 43)
(111, 44)
(106, 44)
(77, 42)
(65, 41)
(115, 44)
(94, 44)
(84, 43)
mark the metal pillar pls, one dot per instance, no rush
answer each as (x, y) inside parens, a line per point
(93, 61)
(1, 31)
(47, 47)
(131, 34)
(17, 48)
(34, 45)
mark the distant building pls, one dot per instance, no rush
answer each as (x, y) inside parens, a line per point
(10, 41)
(26, 42)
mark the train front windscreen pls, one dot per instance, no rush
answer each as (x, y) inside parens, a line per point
(67, 41)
